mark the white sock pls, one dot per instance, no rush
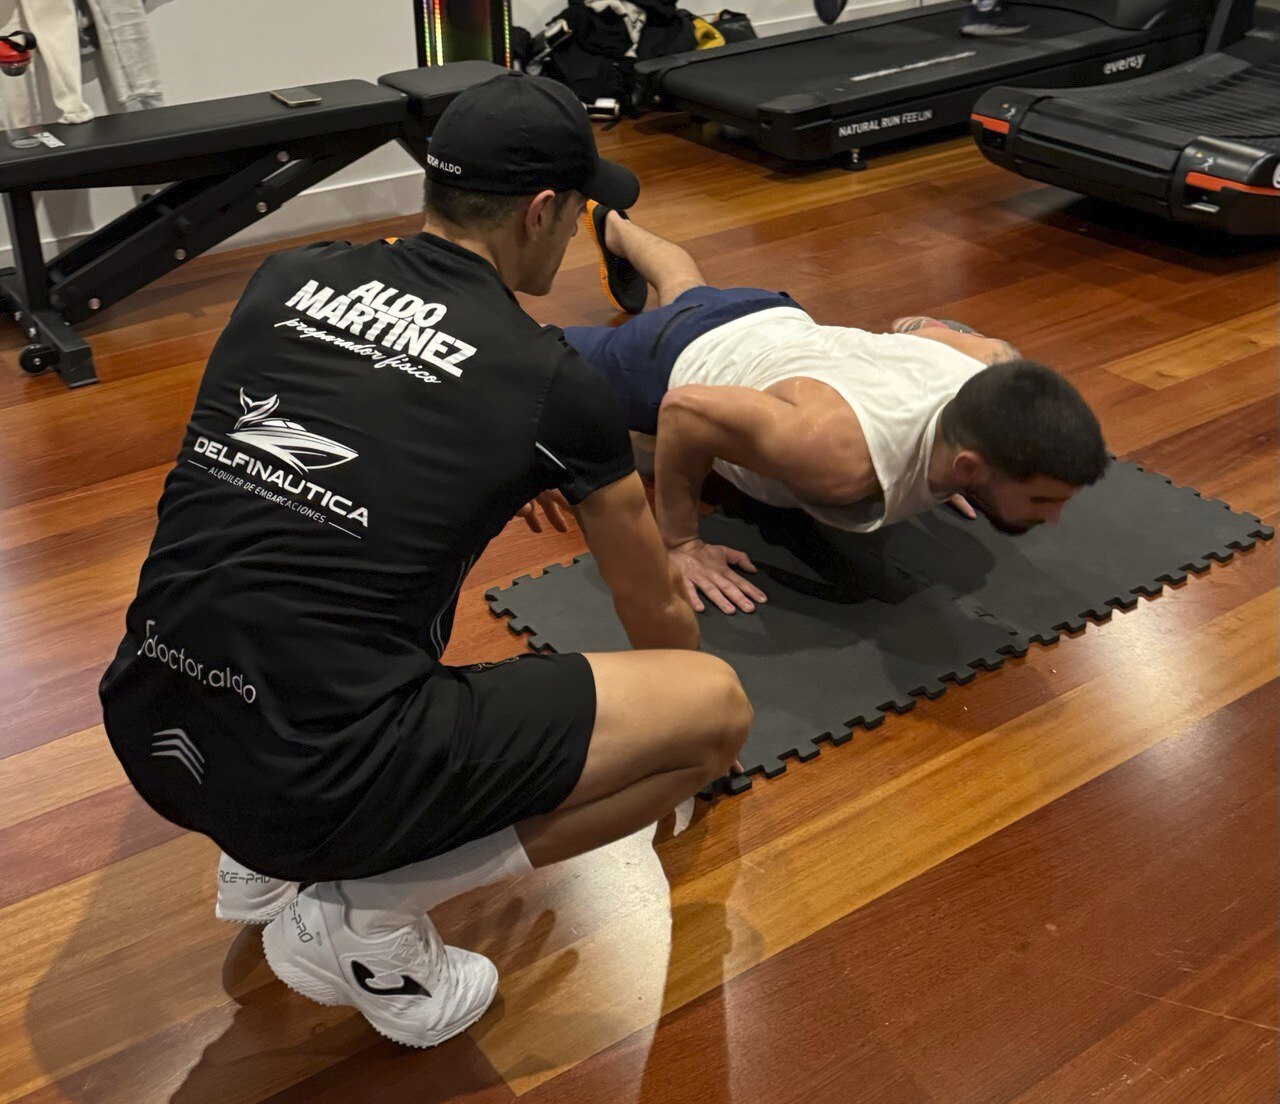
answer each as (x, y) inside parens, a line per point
(382, 904)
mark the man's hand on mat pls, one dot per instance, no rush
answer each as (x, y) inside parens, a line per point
(962, 506)
(553, 504)
(708, 570)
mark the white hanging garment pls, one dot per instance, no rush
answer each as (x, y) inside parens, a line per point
(128, 56)
(54, 24)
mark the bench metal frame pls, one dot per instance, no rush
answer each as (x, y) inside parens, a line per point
(203, 196)
(210, 199)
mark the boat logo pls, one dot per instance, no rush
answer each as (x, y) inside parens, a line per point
(296, 445)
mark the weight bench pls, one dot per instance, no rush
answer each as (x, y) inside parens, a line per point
(223, 164)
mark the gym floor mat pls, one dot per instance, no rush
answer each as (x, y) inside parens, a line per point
(858, 624)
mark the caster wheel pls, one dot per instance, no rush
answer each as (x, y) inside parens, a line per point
(35, 359)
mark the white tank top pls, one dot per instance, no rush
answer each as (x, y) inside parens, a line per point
(896, 385)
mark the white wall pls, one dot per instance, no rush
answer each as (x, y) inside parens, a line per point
(208, 50)
(214, 48)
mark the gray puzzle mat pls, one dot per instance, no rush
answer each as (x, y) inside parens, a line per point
(860, 624)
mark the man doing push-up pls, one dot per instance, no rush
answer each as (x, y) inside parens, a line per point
(858, 429)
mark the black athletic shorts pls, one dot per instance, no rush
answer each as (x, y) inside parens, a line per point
(479, 749)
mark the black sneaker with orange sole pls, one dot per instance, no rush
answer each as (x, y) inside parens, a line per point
(624, 287)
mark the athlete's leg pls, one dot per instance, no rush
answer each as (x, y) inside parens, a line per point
(368, 942)
(625, 357)
(668, 268)
(647, 753)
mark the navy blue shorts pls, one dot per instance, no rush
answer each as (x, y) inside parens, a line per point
(637, 357)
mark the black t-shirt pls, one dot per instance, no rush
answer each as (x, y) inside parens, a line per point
(369, 419)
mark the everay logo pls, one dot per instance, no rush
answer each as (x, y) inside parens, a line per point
(1121, 65)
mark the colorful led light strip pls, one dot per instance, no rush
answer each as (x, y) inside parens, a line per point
(433, 18)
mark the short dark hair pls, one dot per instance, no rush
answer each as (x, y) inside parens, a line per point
(1025, 419)
(476, 210)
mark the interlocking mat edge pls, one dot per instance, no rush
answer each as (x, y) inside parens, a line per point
(860, 626)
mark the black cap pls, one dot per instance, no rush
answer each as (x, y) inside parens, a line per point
(517, 135)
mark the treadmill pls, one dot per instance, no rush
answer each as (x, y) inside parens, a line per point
(832, 92)
(1198, 143)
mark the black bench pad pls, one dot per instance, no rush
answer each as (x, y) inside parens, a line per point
(431, 90)
(166, 135)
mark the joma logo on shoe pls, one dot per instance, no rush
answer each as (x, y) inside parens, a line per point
(407, 987)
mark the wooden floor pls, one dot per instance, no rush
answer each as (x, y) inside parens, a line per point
(1057, 885)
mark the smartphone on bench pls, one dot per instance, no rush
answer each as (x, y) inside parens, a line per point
(295, 97)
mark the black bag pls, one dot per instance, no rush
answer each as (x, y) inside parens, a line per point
(521, 48)
(734, 26)
(590, 59)
(593, 60)
(591, 76)
(667, 29)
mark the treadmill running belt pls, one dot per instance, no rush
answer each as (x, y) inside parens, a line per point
(1226, 100)
(1195, 143)
(889, 58)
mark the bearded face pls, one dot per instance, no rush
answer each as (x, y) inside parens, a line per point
(1016, 506)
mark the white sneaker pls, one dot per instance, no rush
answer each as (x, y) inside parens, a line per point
(245, 897)
(407, 984)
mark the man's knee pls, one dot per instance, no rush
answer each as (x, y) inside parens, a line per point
(674, 285)
(728, 713)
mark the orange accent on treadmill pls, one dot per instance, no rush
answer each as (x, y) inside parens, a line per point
(1217, 183)
(1000, 126)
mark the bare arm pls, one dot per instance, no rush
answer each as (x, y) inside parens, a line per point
(768, 433)
(647, 590)
(754, 429)
(989, 350)
(801, 433)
